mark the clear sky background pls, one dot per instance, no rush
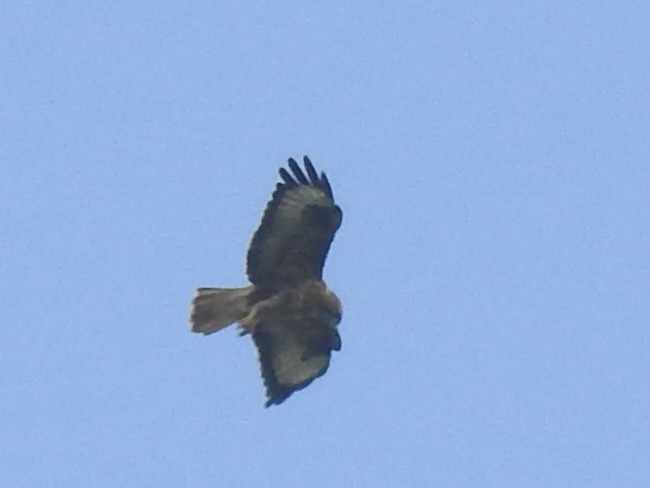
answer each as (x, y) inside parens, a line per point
(493, 163)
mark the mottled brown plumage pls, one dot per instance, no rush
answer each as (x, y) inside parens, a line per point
(289, 311)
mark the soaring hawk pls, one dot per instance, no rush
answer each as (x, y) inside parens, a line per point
(287, 309)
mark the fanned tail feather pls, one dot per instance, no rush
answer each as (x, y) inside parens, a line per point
(216, 308)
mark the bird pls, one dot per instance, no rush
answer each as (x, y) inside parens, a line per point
(287, 309)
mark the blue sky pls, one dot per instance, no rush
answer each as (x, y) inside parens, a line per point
(493, 163)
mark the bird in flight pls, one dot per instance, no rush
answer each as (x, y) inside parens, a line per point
(287, 309)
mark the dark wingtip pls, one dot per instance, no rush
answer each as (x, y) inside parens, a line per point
(326, 185)
(311, 171)
(286, 176)
(297, 172)
(276, 395)
(298, 178)
(311, 179)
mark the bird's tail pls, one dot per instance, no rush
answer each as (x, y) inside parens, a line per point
(216, 308)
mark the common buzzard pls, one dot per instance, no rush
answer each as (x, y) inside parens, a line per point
(290, 313)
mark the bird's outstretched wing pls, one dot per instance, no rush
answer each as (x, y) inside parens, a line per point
(296, 231)
(293, 352)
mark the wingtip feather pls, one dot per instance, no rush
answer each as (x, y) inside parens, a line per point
(297, 172)
(311, 171)
(286, 176)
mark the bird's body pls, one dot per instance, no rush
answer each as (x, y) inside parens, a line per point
(288, 310)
